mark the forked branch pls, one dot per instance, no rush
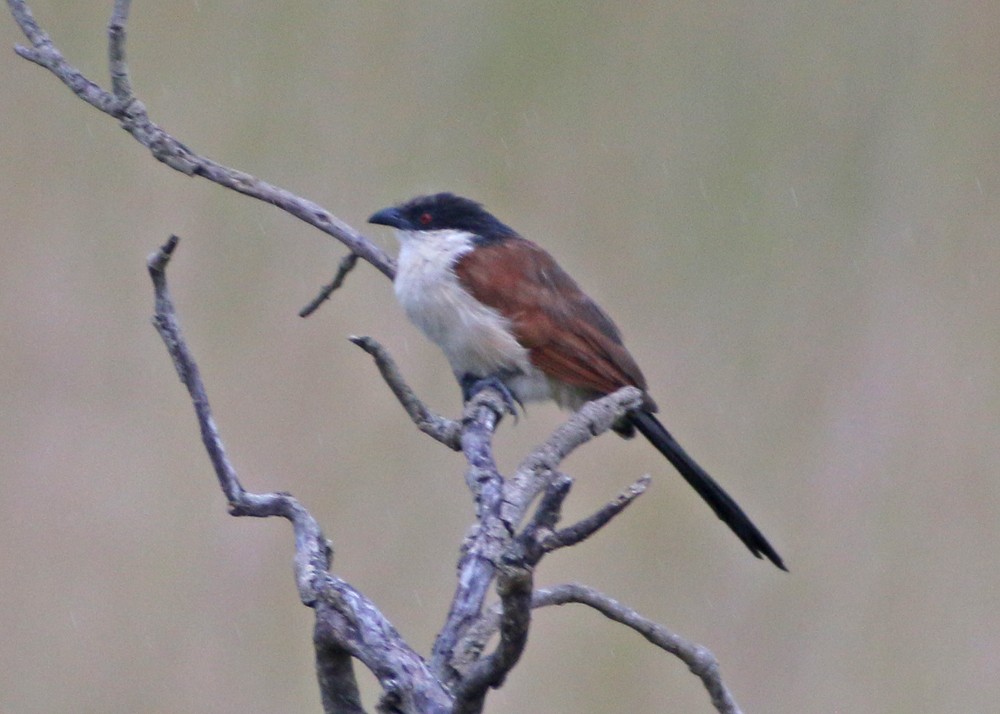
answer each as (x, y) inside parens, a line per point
(124, 106)
(698, 659)
(347, 623)
(505, 544)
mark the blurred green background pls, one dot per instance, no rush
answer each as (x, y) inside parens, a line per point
(791, 209)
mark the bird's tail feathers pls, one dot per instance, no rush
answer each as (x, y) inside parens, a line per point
(721, 502)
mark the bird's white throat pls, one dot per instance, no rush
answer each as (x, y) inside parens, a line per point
(475, 338)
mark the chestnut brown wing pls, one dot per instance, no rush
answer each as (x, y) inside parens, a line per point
(567, 335)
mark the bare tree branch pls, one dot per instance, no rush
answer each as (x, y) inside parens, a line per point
(514, 585)
(335, 671)
(699, 660)
(446, 431)
(522, 554)
(499, 509)
(515, 577)
(494, 545)
(131, 113)
(536, 470)
(585, 528)
(121, 83)
(483, 547)
(346, 620)
(347, 264)
(44, 53)
(348, 625)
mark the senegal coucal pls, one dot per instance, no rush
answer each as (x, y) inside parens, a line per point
(505, 313)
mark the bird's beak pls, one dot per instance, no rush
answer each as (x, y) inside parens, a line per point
(391, 217)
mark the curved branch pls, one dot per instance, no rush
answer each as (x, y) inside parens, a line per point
(493, 543)
(514, 585)
(495, 548)
(484, 546)
(347, 264)
(538, 468)
(348, 625)
(583, 529)
(521, 555)
(699, 660)
(446, 431)
(131, 113)
(346, 621)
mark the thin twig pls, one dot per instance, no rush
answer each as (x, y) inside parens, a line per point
(121, 83)
(699, 660)
(347, 264)
(347, 621)
(583, 529)
(537, 469)
(347, 624)
(548, 512)
(446, 431)
(131, 113)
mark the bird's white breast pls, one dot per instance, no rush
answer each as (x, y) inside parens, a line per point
(475, 338)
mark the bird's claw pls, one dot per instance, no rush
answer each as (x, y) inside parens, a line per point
(473, 385)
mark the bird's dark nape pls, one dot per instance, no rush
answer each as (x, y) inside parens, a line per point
(444, 211)
(721, 502)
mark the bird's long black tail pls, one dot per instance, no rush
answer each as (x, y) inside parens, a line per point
(720, 501)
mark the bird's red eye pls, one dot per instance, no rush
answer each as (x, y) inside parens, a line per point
(425, 219)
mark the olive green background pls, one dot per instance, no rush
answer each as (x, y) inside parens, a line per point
(790, 209)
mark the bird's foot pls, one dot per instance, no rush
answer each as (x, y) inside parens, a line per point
(473, 385)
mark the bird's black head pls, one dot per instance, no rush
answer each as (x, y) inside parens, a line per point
(443, 211)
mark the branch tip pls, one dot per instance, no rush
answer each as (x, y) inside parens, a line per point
(158, 259)
(342, 612)
(583, 529)
(347, 264)
(446, 431)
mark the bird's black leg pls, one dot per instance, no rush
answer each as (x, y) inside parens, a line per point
(473, 384)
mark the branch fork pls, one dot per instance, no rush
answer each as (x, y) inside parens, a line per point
(509, 538)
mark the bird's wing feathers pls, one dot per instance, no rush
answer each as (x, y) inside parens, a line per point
(568, 337)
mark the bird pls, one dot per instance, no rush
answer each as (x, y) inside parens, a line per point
(506, 315)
